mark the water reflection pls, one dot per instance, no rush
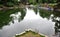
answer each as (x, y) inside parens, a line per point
(55, 18)
(7, 16)
(34, 18)
(50, 15)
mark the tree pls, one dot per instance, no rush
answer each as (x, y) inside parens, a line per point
(24, 1)
(5, 17)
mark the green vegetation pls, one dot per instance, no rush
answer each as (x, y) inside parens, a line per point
(11, 3)
(46, 13)
(5, 16)
(30, 34)
(17, 2)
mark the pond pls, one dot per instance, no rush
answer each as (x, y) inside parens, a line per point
(15, 21)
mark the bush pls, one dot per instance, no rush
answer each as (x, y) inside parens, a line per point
(10, 4)
(1, 5)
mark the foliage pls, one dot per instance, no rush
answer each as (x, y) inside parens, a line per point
(35, 10)
(45, 13)
(5, 16)
(10, 4)
(32, 2)
(16, 2)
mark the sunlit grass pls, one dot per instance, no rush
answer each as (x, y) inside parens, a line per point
(30, 34)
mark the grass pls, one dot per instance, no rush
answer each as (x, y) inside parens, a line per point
(30, 34)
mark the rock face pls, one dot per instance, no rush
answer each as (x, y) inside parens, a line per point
(29, 33)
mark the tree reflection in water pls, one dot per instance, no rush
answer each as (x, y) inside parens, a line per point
(57, 25)
(55, 18)
(5, 16)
